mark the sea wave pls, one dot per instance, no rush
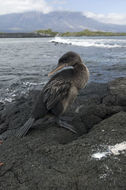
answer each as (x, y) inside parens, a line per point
(103, 43)
(19, 89)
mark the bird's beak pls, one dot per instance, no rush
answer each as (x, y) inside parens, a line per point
(56, 69)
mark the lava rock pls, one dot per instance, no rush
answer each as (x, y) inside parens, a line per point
(50, 157)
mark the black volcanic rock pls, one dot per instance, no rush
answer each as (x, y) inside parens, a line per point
(50, 157)
(117, 93)
(24, 35)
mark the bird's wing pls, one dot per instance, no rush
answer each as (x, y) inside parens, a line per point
(55, 91)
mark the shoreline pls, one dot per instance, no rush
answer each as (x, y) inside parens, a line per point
(112, 93)
(43, 35)
(50, 157)
(24, 35)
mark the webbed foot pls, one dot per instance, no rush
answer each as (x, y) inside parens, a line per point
(65, 125)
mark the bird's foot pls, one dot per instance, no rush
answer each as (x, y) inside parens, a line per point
(66, 125)
(46, 120)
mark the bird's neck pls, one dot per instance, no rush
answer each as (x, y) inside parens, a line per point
(81, 74)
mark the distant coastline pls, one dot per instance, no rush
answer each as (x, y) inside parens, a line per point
(50, 33)
(93, 33)
(24, 35)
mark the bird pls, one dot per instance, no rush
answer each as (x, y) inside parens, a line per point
(59, 92)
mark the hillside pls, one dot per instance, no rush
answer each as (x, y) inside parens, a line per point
(58, 21)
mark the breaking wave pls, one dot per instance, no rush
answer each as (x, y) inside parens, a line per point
(103, 43)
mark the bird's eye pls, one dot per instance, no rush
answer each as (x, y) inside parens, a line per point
(64, 60)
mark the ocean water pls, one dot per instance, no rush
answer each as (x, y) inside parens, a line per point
(25, 62)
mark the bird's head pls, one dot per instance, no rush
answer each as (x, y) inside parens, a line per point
(68, 59)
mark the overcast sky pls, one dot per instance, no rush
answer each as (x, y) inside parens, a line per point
(109, 11)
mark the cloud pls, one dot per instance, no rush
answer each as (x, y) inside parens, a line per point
(112, 18)
(59, 2)
(16, 6)
(58, 5)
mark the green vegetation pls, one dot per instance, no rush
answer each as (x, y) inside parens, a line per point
(92, 33)
(47, 32)
(81, 33)
(50, 33)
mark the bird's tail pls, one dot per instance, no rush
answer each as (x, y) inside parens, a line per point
(25, 128)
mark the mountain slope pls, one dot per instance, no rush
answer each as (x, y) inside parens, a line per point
(58, 21)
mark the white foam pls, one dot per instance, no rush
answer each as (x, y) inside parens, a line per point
(103, 43)
(6, 100)
(33, 83)
(115, 150)
(99, 155)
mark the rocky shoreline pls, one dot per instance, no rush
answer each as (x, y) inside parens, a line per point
(25, 35)
(50, 157)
